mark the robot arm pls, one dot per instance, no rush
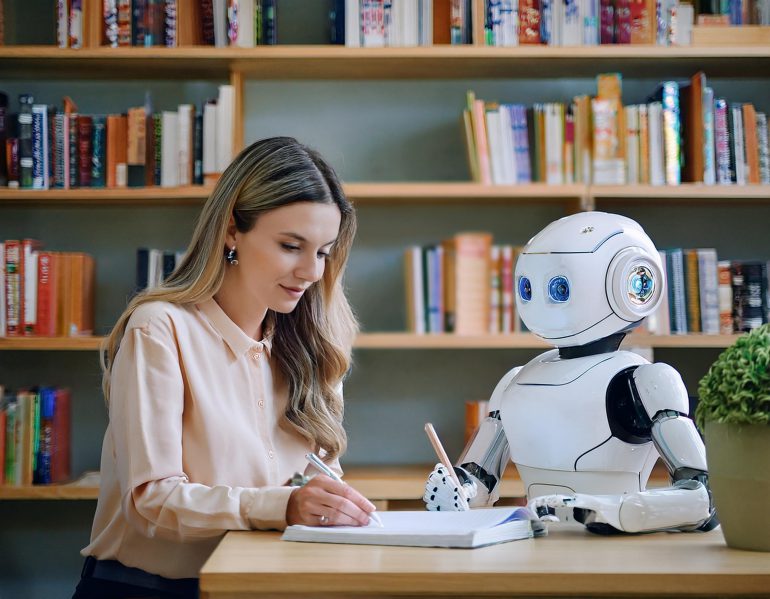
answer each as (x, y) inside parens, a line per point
(481, 464)
(686, 505)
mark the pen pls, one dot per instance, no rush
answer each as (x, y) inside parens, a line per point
(318, 463)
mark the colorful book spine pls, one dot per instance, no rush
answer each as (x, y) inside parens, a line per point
(99, 151)
(40, 146)
(709, 137)
(26, 159)
(110, 13)
(669, 97)
(764, 150)
(14, 288)
(722, 142)
(708, 281)
(725, 292)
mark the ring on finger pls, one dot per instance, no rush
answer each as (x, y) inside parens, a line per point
(323, 520)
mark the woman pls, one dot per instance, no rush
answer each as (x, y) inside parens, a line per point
(222, 379)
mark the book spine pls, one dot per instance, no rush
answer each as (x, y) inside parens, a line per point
(85, 130)
(46, 296)
(709, 290)
(606, 22)
(3, 139)
(110, 14)
(74, 154)
(26, 159)
(722, 142)
(739, 147)
(725, 291)
(198, 149)
(14, 288)
(762, 143)
(671, 132)
(99, 152)
(692, 291)
(709, 137)
(29, 249)
(207, 21)
(40, 146)
(622, 21)
(529, 22)
(269, 20)
(76, 24)
(62, 23)
(124, 23)
(157, 129)
(495, 290)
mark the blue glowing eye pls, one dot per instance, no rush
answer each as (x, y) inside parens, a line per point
(558, 289)
(525, 289)
(641, 285)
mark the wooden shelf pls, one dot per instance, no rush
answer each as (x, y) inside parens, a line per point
(338, 62)
(438, 192)
(51, 343)
(408, 341)
(444, 192)
(525, 341)
(160, 196)
(49, 492)
(686, 192)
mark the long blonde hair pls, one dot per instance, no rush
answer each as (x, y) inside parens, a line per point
(312, 344)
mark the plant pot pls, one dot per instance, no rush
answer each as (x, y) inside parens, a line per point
(739, 475)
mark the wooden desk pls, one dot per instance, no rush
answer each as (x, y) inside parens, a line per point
(569, 562)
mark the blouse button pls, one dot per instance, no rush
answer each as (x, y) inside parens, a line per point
(270, 454)
(261, 403)
(255, 355)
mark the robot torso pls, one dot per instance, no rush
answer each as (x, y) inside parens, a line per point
(555, 416)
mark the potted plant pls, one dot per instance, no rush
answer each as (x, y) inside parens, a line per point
(734, 414)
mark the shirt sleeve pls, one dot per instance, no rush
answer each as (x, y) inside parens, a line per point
(146, 405)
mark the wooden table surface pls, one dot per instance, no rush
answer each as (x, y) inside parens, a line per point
(569, 562)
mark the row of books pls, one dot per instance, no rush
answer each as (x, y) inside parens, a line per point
(683, 134)
(170, 23)
(711, 296)
(44, 146)
(463, 285)
(45, 293)
(466, 285)
(153, 266)
(379, 23)
(34, 436)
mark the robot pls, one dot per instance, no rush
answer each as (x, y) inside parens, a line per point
(585, 423)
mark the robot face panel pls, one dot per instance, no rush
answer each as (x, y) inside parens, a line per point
(587, 276)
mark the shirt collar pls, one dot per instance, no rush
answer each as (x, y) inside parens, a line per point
(238, 341)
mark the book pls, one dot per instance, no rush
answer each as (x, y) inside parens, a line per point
(469, 529)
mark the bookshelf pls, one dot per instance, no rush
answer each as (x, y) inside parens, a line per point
(427, 383)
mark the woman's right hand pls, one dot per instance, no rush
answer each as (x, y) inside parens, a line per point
(326, 502)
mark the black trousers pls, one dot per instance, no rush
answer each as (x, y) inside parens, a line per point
(109, 579)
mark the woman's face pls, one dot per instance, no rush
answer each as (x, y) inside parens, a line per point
(284, 253)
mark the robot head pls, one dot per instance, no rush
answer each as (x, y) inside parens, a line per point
(587, 276)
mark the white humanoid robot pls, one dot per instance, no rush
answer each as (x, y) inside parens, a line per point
(585, 423)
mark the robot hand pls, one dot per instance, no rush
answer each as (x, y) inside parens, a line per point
(598, 512)
(683, 506)
(442, 494)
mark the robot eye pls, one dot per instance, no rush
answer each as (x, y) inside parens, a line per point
(525, 289)
(558, 289)
(641, 285)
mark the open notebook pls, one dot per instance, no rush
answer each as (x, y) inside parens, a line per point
(474, 528)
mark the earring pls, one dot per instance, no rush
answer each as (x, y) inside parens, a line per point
(231, 257)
